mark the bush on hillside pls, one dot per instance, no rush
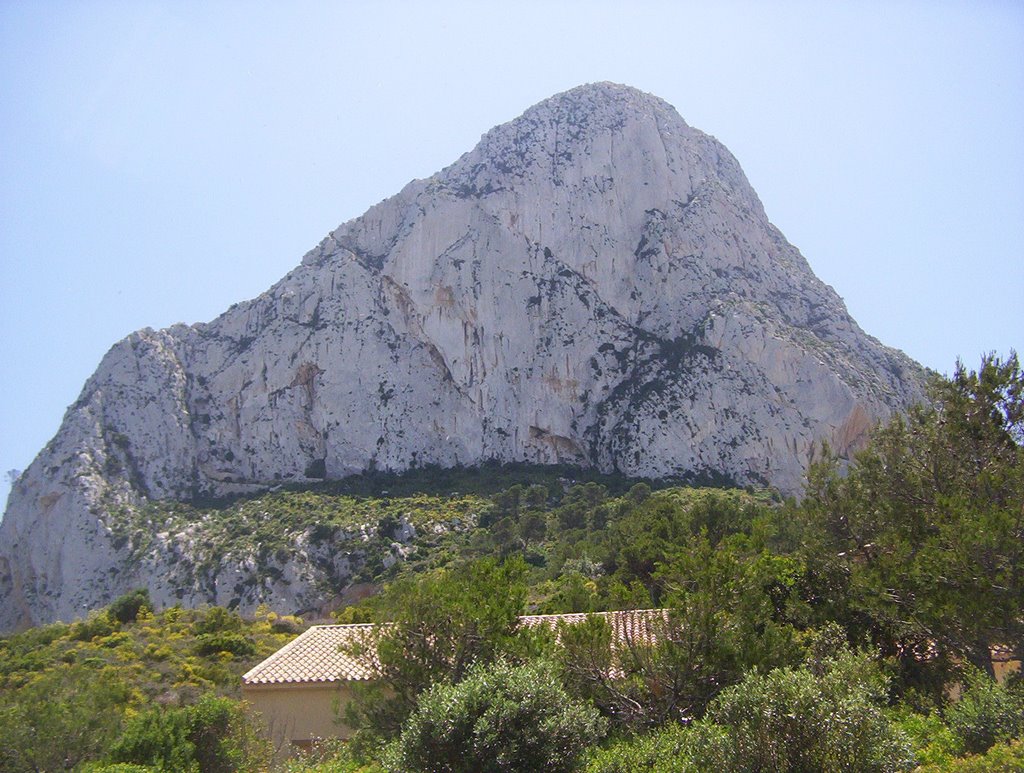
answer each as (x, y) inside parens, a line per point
(822, 719)
(671, 749)
(60, 718)
(501, 717)
(125, 609)
(212, 736)
(235, 643)
(987, 713)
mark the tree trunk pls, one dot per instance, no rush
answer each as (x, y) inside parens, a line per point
(980, 656)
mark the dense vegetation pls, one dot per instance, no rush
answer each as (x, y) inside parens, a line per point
(824, 634)
(90, 690)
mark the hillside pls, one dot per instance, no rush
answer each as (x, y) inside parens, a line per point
(809, 634)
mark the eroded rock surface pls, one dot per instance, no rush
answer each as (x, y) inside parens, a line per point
(595, 283)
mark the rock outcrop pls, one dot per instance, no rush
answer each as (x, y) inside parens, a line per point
(596, 284)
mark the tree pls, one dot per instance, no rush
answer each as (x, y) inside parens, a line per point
(729, 611)
(501, 717)
(703, 554)
(662, 525)
(438, 625)
(922, 542)
(158, 738)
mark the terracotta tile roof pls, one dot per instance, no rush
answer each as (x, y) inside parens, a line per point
(629, 626)
(316, 655)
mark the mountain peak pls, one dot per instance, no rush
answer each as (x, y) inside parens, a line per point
(565, 126)
(594, 284)
(604, 98)
(574, 147)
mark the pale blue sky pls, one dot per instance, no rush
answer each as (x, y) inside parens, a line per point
(162, 160)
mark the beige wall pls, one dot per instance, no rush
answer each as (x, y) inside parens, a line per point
(294, 714)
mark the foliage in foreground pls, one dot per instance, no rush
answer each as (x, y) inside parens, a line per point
(63, 716)
(1002, 758)
(442, 623)
(332, 755)
(824, 716)
(987, 713)
(70, 693)
(811, 718)
(212, 736)
(916, 550)
(501, 717)
(920, 546)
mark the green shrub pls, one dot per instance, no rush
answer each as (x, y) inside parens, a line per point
(235, 643)
(65, 716)
(500, 718)
(217, 620)
(96, 624)
(158, 738)
(126, 608)
(930, 738)
(1001, 758)
(672, 749)
(788, 720)
(797, 720)
(218, 729)
(331, 755)
(986, 713)
(212, 736)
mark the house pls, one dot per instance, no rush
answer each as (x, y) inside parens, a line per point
(300, 692)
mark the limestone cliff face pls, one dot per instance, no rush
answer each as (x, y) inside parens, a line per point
(595, 283)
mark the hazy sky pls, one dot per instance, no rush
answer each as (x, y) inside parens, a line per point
(162, 160)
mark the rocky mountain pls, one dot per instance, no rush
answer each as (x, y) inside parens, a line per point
(595, 284)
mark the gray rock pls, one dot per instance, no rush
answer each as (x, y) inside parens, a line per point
(595, 283)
